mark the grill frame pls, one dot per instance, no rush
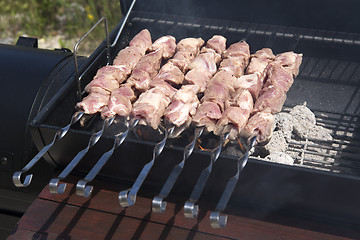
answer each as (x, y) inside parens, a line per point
(306, 182)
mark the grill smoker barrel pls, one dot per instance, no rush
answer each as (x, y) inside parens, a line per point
(329, 81)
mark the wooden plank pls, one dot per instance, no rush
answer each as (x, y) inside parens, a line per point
(48, 218)
(237, 227)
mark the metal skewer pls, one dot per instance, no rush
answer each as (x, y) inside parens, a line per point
(54, 183)
(216, 219)
(58, 135)
(190, 208)
(128, 197)
(82, 189)
(158, 205)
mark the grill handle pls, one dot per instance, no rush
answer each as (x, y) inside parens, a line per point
(76, 47)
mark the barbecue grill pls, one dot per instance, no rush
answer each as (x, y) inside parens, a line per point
(322, 183)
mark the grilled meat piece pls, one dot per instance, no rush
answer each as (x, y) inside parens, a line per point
(120, 102)
(260, 125)
(93, 103)
(207, 115)
(237, 50)
(278, 77)
(205, 62)
(272, 98)
(290, 61)
(150, 107)
(251, 82)
(236, 115)
(167, 43)
(183, 105)
(186, 50)
(170, 74)
(142, 41)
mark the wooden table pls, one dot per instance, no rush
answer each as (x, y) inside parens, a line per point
(69, 216)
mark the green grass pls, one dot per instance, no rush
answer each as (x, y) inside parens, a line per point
(45, 18)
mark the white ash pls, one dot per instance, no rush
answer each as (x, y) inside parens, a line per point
(280, 157)
(303, 121)
(297, 128)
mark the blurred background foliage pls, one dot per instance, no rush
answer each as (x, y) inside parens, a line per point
(63, 20)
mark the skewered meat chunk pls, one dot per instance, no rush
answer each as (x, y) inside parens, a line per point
(104, 79)
(186, 49)
(207, 115)
(183, 105)
(250, 82)
(197, 77)
(169, 73)
(260, 125)
(272, 98)
(290, 61)
(167, 43)
(237, 50)
(151, 106)
(217, 43)
(260, 60)
(142, 41)
(93, 103)
(128, 58)
(236, 66)
(219, 89)
(205, 62)
(119, 102)
(235, 117)
(278, 77)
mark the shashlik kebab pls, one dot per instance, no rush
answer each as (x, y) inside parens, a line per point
(263, 67)
(279, 79)
(148, 65)
(109, 77)
(206, 62)
(94, 102)
(166, 74)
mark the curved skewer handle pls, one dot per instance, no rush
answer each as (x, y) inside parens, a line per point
(190, 207)
(54, 185)
(127, 198)
(58, 135)
(158, 205)
(82, 189)
(216, 219)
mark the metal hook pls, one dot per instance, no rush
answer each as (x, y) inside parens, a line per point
(58, 135)
(216, 219)
(55, 187)
(82, 189)
(190, 207)
(158, 205)
(92, 141)
(128, 197)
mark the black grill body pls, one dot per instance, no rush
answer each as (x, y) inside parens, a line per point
(329, 81)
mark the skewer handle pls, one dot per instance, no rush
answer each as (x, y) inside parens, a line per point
(216, 219)
(190, 207)
(82, 189)
(127, 198)
(17, 176)
(54, 183)
(158, 205)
